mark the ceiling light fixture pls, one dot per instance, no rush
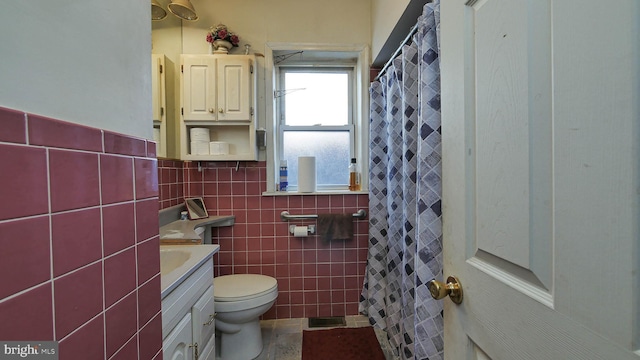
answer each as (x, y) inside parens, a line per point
(157, 12)
(183, 9)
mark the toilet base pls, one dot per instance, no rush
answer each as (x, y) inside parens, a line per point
(242, 345)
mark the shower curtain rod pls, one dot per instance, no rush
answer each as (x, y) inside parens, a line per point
(404, 42)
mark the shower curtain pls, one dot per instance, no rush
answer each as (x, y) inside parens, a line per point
(405, 230)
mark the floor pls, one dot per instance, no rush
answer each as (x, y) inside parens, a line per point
(283, 338)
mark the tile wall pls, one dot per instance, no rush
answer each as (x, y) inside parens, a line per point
(314, 278)
(79, 259)
(171, 188)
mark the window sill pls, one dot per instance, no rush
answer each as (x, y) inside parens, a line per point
(327, 192)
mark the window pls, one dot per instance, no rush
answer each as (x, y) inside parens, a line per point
(319, 107)
(316, 119)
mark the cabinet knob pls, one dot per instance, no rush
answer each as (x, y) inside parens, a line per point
(211, 110)
(220, 110)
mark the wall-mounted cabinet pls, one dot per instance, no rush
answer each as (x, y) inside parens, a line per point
(219, 94)
(159, 103)
(163, 82)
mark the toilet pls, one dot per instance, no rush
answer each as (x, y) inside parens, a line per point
(239, 301)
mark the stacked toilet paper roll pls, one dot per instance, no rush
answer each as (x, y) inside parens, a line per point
(218, 148)
(306, 174)
(200, 139)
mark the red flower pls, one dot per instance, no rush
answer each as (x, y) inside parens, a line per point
(235, 40)
(209, 37)
(222, 33)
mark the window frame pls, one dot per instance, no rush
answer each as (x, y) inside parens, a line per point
(282, 126)
(359, 59)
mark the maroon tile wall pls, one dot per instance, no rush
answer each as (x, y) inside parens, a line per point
(22, 181)
(13, 126)
(314, 278)
(171, 183)
(79, 259)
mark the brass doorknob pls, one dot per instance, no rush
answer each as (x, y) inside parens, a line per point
(453, 288)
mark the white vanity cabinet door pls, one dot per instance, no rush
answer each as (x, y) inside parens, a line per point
(177, 344)
(202, 315)
(209, 351)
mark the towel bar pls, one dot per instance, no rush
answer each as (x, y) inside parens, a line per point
(285, 216)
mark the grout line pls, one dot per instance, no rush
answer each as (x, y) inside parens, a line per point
(104, 293)
(51, 274)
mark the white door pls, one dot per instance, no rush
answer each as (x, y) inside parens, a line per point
(541, 178)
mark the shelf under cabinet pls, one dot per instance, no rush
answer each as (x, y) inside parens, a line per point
(240, 137)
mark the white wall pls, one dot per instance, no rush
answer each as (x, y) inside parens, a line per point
(384, 17)
(85, 62)
(260, 21)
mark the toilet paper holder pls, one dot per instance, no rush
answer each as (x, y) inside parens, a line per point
(311, 229)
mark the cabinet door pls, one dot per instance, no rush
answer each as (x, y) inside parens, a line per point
(202, 315)
(159, 103)
(176, 346)
(208, 352)
(234, 89)
(157, 86)
(198, 88)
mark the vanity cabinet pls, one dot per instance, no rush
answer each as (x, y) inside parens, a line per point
(178, 344)
(188, 317)
(218, 92)
(203, 325)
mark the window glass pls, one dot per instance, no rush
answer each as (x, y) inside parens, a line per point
(316, 120)
(316, 98)
(331, 149)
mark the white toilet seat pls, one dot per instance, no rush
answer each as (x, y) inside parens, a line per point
(242, 286)
(243, 291)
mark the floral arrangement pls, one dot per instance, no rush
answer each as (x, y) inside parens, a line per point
(221, 32)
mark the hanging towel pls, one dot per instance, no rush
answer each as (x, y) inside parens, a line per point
(335, 227)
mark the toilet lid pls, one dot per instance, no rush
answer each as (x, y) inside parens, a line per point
(241, 286)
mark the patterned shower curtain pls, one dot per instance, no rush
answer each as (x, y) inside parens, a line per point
(405, 232)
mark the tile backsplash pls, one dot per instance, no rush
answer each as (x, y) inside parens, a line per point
(314, 278)
(79, 259)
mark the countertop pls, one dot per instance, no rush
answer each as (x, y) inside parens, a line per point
(196, 256)
(185, 230)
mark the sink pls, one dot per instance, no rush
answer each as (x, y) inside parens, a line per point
(171, 259)
(177, 262)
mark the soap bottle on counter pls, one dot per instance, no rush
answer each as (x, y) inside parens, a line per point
(283, 175)
(354, 176)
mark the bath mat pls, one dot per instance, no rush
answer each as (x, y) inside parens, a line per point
(341, 343)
